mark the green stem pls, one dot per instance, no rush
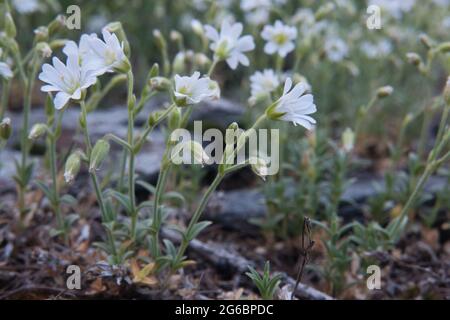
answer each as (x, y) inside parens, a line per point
(55, 200)
(212, 67)
(94, 178)
(197, 214)
(131, 185)
(5, 98)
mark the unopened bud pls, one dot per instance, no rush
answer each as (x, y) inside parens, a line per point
(447, 91)
(154, 117)
(259, 166)
(385, 91)
(41, 34)
(37, 131)
(201, 60)
(174, 119)
(44, 49)
(348, 140)
(197, 27)
(72, 167)
(5, 129)
(426, 41)
(98, 154)
(189, 149)
(160, 40)
(57, 24)
(414, 58)
(175, 36)
(179, 63)
(160, 83)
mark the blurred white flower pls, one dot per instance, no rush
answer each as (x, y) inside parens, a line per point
(229, 45)
(26, 6)
(294, 106)
(335, 48)
(193, 89)
(67, 80)
(263, 82)
(279, 38)
(96, 22)
(258, 16)
(395, 8)
(348, 140)
(376, 50)
(107, 55)
(5, 70)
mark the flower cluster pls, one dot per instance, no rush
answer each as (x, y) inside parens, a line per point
(85, 62)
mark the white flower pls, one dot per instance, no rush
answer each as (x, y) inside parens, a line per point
(5, 70)
(396, 8)
(107, 55)
(67, 80)
(294, 106)
(26, 6)
(335, 48)
(376, 50)
(228, 45)
(279, 38)
(193, 89)
(263, 82)
(83, 52)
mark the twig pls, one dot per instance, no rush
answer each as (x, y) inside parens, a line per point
(304, 252)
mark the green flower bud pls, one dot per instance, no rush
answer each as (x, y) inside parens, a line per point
(179, 63)
(384, 92)
(426, 41)
(37, 131)
(174, 119)
(57, 24)
(197, 27)
(44, 49)
(72, 167)
(5, 129)
(154, 117)
(160, 40)
(414, 58)
(41, 34)
(98, 154)
(160, 84)
(447, 91)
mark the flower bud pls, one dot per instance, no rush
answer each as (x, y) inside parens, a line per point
(154, 117)
(174, 119)
(160, 84)
(414, 58)
(348, 140)
(160, 40)
(37, 131)
(41, 34)
(5, 129)
(57, 24)
(154, 71)
(72, 167)
(179, 63)
(447, 91)
(201, 60)
(197, 27)
(189, 148)
(259, 166)
(10, 26)
(44, 49)
(426, 41)
(384, 92)
(175, 36)
(98, 154)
